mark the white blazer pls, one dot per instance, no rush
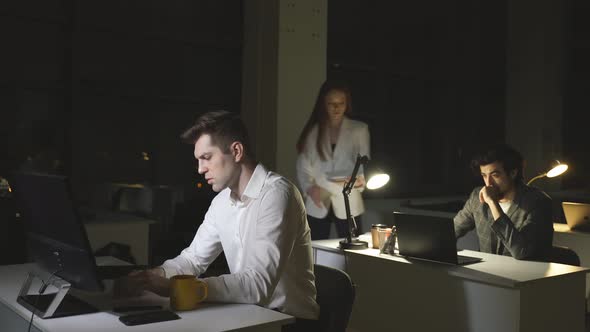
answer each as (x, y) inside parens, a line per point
(353, 140)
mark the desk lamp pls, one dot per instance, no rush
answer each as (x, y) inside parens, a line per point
(556, 170)
(375, 181)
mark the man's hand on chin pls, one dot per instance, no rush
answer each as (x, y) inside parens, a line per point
(489, 195)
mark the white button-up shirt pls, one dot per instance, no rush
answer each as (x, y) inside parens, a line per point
(267, 245)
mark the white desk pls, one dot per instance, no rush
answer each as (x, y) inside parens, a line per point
(207, 318)
(497, 294)
(579, 242)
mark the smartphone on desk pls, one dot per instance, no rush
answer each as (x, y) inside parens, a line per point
(148, 317)
(136, 308)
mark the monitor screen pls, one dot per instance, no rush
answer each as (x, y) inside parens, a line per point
(56, 238)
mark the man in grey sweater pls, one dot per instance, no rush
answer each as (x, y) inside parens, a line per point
(510, 217)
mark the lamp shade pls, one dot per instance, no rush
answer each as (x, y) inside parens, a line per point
(376, 173)
(377, 181)
(557, 169)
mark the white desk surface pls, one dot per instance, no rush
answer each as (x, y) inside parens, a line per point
(564, 228)
(208, 317)
(503, 271)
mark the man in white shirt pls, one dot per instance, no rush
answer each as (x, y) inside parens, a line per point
(258, 220)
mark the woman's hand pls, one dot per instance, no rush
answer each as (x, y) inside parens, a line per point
(315, 193)
(360, 182)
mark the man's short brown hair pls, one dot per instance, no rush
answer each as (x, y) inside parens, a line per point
(224, 128)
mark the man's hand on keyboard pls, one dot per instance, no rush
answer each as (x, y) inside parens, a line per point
(136, 282)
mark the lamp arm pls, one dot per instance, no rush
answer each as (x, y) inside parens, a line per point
(536, 178)
(348, 217)
(360, 160)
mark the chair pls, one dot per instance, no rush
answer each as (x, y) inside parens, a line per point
(564, 255)
(335, 296)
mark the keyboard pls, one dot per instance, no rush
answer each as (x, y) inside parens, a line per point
(116, 271)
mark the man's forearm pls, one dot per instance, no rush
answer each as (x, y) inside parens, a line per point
(496, 210)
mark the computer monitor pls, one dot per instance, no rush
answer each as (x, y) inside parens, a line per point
(56, 240)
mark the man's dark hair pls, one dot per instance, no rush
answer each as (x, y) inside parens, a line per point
(502, 153)
(224, 128)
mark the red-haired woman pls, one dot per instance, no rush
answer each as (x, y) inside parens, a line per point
(327, 150)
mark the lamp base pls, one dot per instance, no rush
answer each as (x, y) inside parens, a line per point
(353, 245)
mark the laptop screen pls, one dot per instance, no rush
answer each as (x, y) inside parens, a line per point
(577, 215)
(426, 237)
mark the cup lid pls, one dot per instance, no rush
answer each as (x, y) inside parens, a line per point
(379, 226)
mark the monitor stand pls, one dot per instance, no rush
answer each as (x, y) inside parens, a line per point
(59, 304)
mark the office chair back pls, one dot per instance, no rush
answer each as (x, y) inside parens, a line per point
(335, 296)
(564, 255)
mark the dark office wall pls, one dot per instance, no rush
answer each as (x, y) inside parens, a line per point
(95, 84)
(153, 66)
(31, 80)
(98, 83)
(576, 117)
(428, 77)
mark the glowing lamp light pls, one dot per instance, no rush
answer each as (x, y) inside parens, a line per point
(556, 170)
(377, 181)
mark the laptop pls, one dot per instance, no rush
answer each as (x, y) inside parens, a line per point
(428, 238)
(577, 215)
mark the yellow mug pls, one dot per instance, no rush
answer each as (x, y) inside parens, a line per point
(186, 292)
